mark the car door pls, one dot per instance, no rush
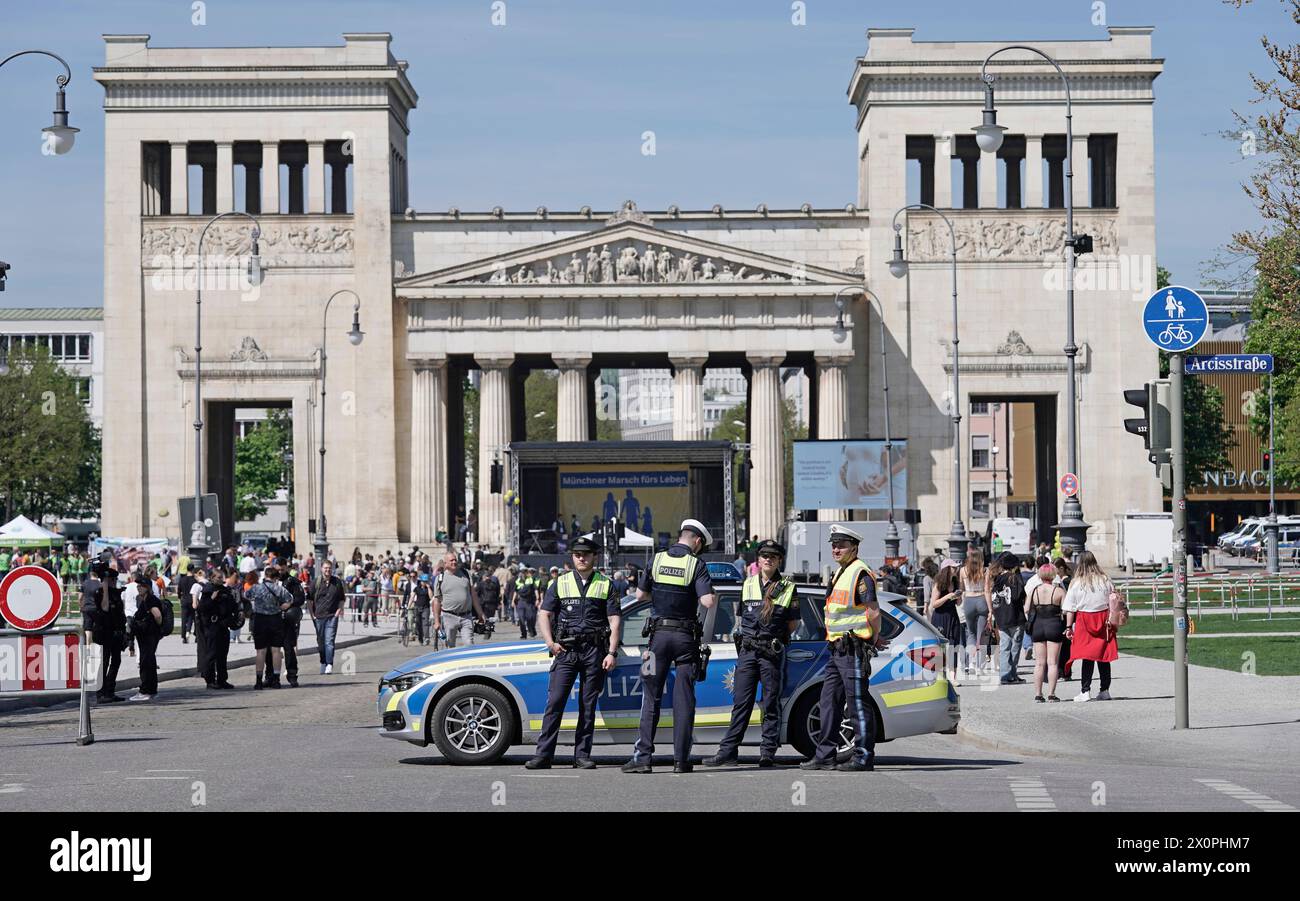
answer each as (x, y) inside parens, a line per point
(618, 710)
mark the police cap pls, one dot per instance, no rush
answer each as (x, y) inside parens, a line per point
(842, 533)
(584, 544)
(771, 547)
(694, 525)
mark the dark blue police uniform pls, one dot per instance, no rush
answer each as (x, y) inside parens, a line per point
(760, 658)
(675, 581)
(580, 621)
(526, 606)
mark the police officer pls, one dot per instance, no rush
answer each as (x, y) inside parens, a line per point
(584, 641)
(769, 614)
(218, 610)
(526, 603)
(852, 622)
(675, 582)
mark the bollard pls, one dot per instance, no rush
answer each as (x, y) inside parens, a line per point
(1130, 567)
(85, 734)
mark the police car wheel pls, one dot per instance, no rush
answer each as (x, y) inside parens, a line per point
(805, 727)
(473, 724)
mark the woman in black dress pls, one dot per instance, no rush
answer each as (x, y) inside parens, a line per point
(941, 610)
(1047, 627)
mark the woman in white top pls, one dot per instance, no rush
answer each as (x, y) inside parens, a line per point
(1087, 624)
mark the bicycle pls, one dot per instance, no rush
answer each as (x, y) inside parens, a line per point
(1174, 332)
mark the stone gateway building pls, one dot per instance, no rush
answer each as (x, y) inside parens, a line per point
(313, 143)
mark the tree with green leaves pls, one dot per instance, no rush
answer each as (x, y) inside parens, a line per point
(48, 447)
(260, 467)
(541, 401)
(1207, 437)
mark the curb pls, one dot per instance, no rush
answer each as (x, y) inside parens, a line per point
(997, 744)
(55, 698)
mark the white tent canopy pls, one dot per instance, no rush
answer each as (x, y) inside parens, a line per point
(629, 539)
(22, 532)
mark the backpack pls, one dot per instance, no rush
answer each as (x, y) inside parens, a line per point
(1118, 616)
(168, 623)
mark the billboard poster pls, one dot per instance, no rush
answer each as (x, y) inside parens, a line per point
(647, 498)
(849, 474)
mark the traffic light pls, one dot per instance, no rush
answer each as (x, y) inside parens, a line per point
(1268, 461)
(1140, 397)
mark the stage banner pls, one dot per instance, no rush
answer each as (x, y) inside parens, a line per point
(849, 475)
(649, 498)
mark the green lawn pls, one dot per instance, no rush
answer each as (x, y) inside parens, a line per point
(1288, 621)
(1272, 656)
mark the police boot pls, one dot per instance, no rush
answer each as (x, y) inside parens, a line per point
(584, 763)
(635, 766)
(815, 764)
(538, 763)
(766, 760)
(683, 766)
(856, 766)
(293, 681)
(719, 760)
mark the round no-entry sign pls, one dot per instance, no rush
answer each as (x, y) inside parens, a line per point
(30, 598)
(1069, 484)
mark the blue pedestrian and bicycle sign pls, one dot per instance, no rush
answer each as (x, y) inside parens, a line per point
(1175, 319)
(1198, 364)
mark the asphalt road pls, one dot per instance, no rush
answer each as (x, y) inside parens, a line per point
(317, 748)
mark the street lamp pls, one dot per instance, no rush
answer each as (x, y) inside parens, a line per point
(198, 546)
(354, 336)
(994, 515)
(898, 268)
(892, 540)
(59, 134)
(988, 134)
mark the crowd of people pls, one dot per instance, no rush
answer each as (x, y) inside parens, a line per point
(1056, 611)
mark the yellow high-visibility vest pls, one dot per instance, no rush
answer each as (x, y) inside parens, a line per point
(843, 613)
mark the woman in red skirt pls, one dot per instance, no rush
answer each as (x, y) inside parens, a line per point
(1087, 615)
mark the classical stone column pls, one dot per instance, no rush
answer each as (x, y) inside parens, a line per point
(493, 437)
(316, 177)
(767, 507)
(225, 177)
(270, 177)
(943, 171)
(428, 449)
(988, 180)
(1033, 172)
(571, 410)
(832, 410)
(180, 179)
(688, 396)
(1079, 154)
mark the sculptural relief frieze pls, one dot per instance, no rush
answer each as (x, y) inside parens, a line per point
(1028, 239)
(292, 244)
(629, 262)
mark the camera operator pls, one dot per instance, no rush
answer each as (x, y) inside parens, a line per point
(292, 622)
(104, 616)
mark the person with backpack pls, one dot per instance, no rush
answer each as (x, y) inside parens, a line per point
(1006, 596)
(104, 616)
(292, 623)
(146, 630)
(218, 613)
(1089, 623)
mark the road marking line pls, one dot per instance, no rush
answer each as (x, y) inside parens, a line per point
(1030, 794)
(545, 776)
(1245, 795)
(173, 771)
(164, 778)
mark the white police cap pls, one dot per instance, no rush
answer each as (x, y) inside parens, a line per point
(842, 532)
(694, 525)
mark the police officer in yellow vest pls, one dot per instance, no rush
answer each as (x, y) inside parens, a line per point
(676, 583)
(584, 642)
(852, 622)
(526, 603)
(769, 614)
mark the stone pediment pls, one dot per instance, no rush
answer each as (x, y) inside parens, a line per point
(627, 253)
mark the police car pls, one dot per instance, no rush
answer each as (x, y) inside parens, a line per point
(474, 703)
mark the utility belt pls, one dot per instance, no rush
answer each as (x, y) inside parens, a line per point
(580, 641)
(853, 646)
(699, 655)
(765, 647)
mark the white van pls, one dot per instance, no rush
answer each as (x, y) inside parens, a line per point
(1014, 532)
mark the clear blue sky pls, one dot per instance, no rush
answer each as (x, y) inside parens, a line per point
(549, 110)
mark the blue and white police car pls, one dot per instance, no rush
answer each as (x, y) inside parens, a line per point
(474, 703)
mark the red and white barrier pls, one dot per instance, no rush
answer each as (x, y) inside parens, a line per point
(44, 662)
